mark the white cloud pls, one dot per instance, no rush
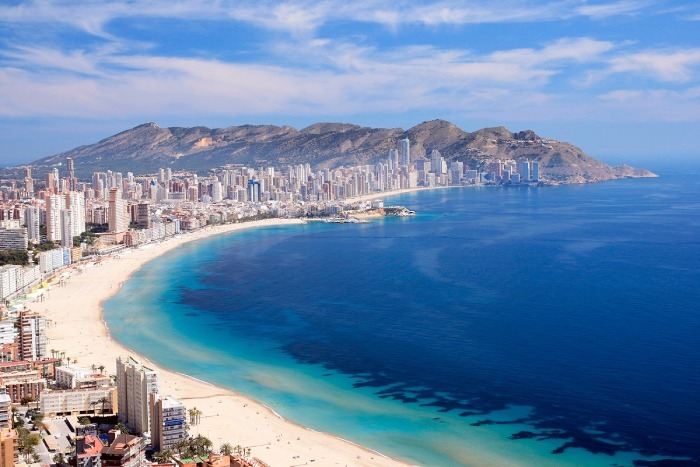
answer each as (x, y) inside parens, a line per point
(667, 66)
(605, 10)
(652, 104)
(305, 16)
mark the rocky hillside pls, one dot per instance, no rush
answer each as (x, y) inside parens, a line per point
(148, 147)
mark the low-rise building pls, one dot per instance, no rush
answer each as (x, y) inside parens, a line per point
(88, 450)
(77, 401)
(67, 376)
(124, 451)
(22, 384)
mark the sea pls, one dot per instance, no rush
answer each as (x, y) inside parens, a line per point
(499, 326)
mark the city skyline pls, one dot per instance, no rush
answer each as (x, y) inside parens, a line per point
(618, 78)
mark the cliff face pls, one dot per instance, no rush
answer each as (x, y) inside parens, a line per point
(147, 147)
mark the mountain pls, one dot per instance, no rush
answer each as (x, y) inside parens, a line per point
(147, 147)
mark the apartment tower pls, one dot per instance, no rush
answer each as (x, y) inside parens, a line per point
(134, 384)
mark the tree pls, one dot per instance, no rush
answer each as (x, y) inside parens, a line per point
(94, 407)
(26, 400)
(104, 401)
(102, 369)
(59, 459)
(123, 428)
(39, 421)
(84, 420)
(226, 449)
(26, 442)
(163, 456)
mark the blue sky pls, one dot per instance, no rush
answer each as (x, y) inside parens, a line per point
(619, 78)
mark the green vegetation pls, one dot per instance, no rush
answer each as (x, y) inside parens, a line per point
(18, 257)
(27, 441)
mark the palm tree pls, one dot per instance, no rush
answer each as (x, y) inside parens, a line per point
(102, 369)
(104, 401)
(94, 407)
(94, 367)
(59, 459)
(162, 457)
(225, 449)
(39, 421)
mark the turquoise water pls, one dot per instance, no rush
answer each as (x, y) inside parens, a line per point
(534, 326)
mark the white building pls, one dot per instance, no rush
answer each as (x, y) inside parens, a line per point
(168, 420)
(32, 336)
(31, 217)
(68, 375)
(134, 384)
(5, 407)
(76, 401)
(54, 206)
(7, 332)
(405, 153)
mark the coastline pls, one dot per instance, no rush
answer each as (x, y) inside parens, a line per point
(78, 328)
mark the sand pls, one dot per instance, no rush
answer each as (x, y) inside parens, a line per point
(77, 328)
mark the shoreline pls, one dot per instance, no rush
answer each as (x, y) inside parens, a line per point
(228, 417)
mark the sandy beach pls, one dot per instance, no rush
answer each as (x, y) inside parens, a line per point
(77, 328)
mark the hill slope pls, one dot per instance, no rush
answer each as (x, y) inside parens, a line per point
(147, 147)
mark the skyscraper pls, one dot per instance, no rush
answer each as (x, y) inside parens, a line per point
(75, 202)
(134, 384)
(405, 153)
(28, 181)
(31, 217)
(54, 206)
(117, 211)
(254, 191)
(72, 181)
(524, 170)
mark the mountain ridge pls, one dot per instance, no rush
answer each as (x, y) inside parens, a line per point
(147, 147)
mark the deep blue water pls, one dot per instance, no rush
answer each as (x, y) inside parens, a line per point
(555, 325)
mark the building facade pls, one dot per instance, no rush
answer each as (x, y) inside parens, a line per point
(134, 384)
(32, 336)
(168, 420)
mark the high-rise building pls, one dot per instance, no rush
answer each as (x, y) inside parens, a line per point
(143, 216)
(32, 336)
(167, 422)
(524, 170)
(535, 171)
(117, 211)
(134, 384)
(28, 181)
(405, 153)
(436, 162)
(31, 218)
(75, 202)
(72, 181)
(54, 205)
(254, 191)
